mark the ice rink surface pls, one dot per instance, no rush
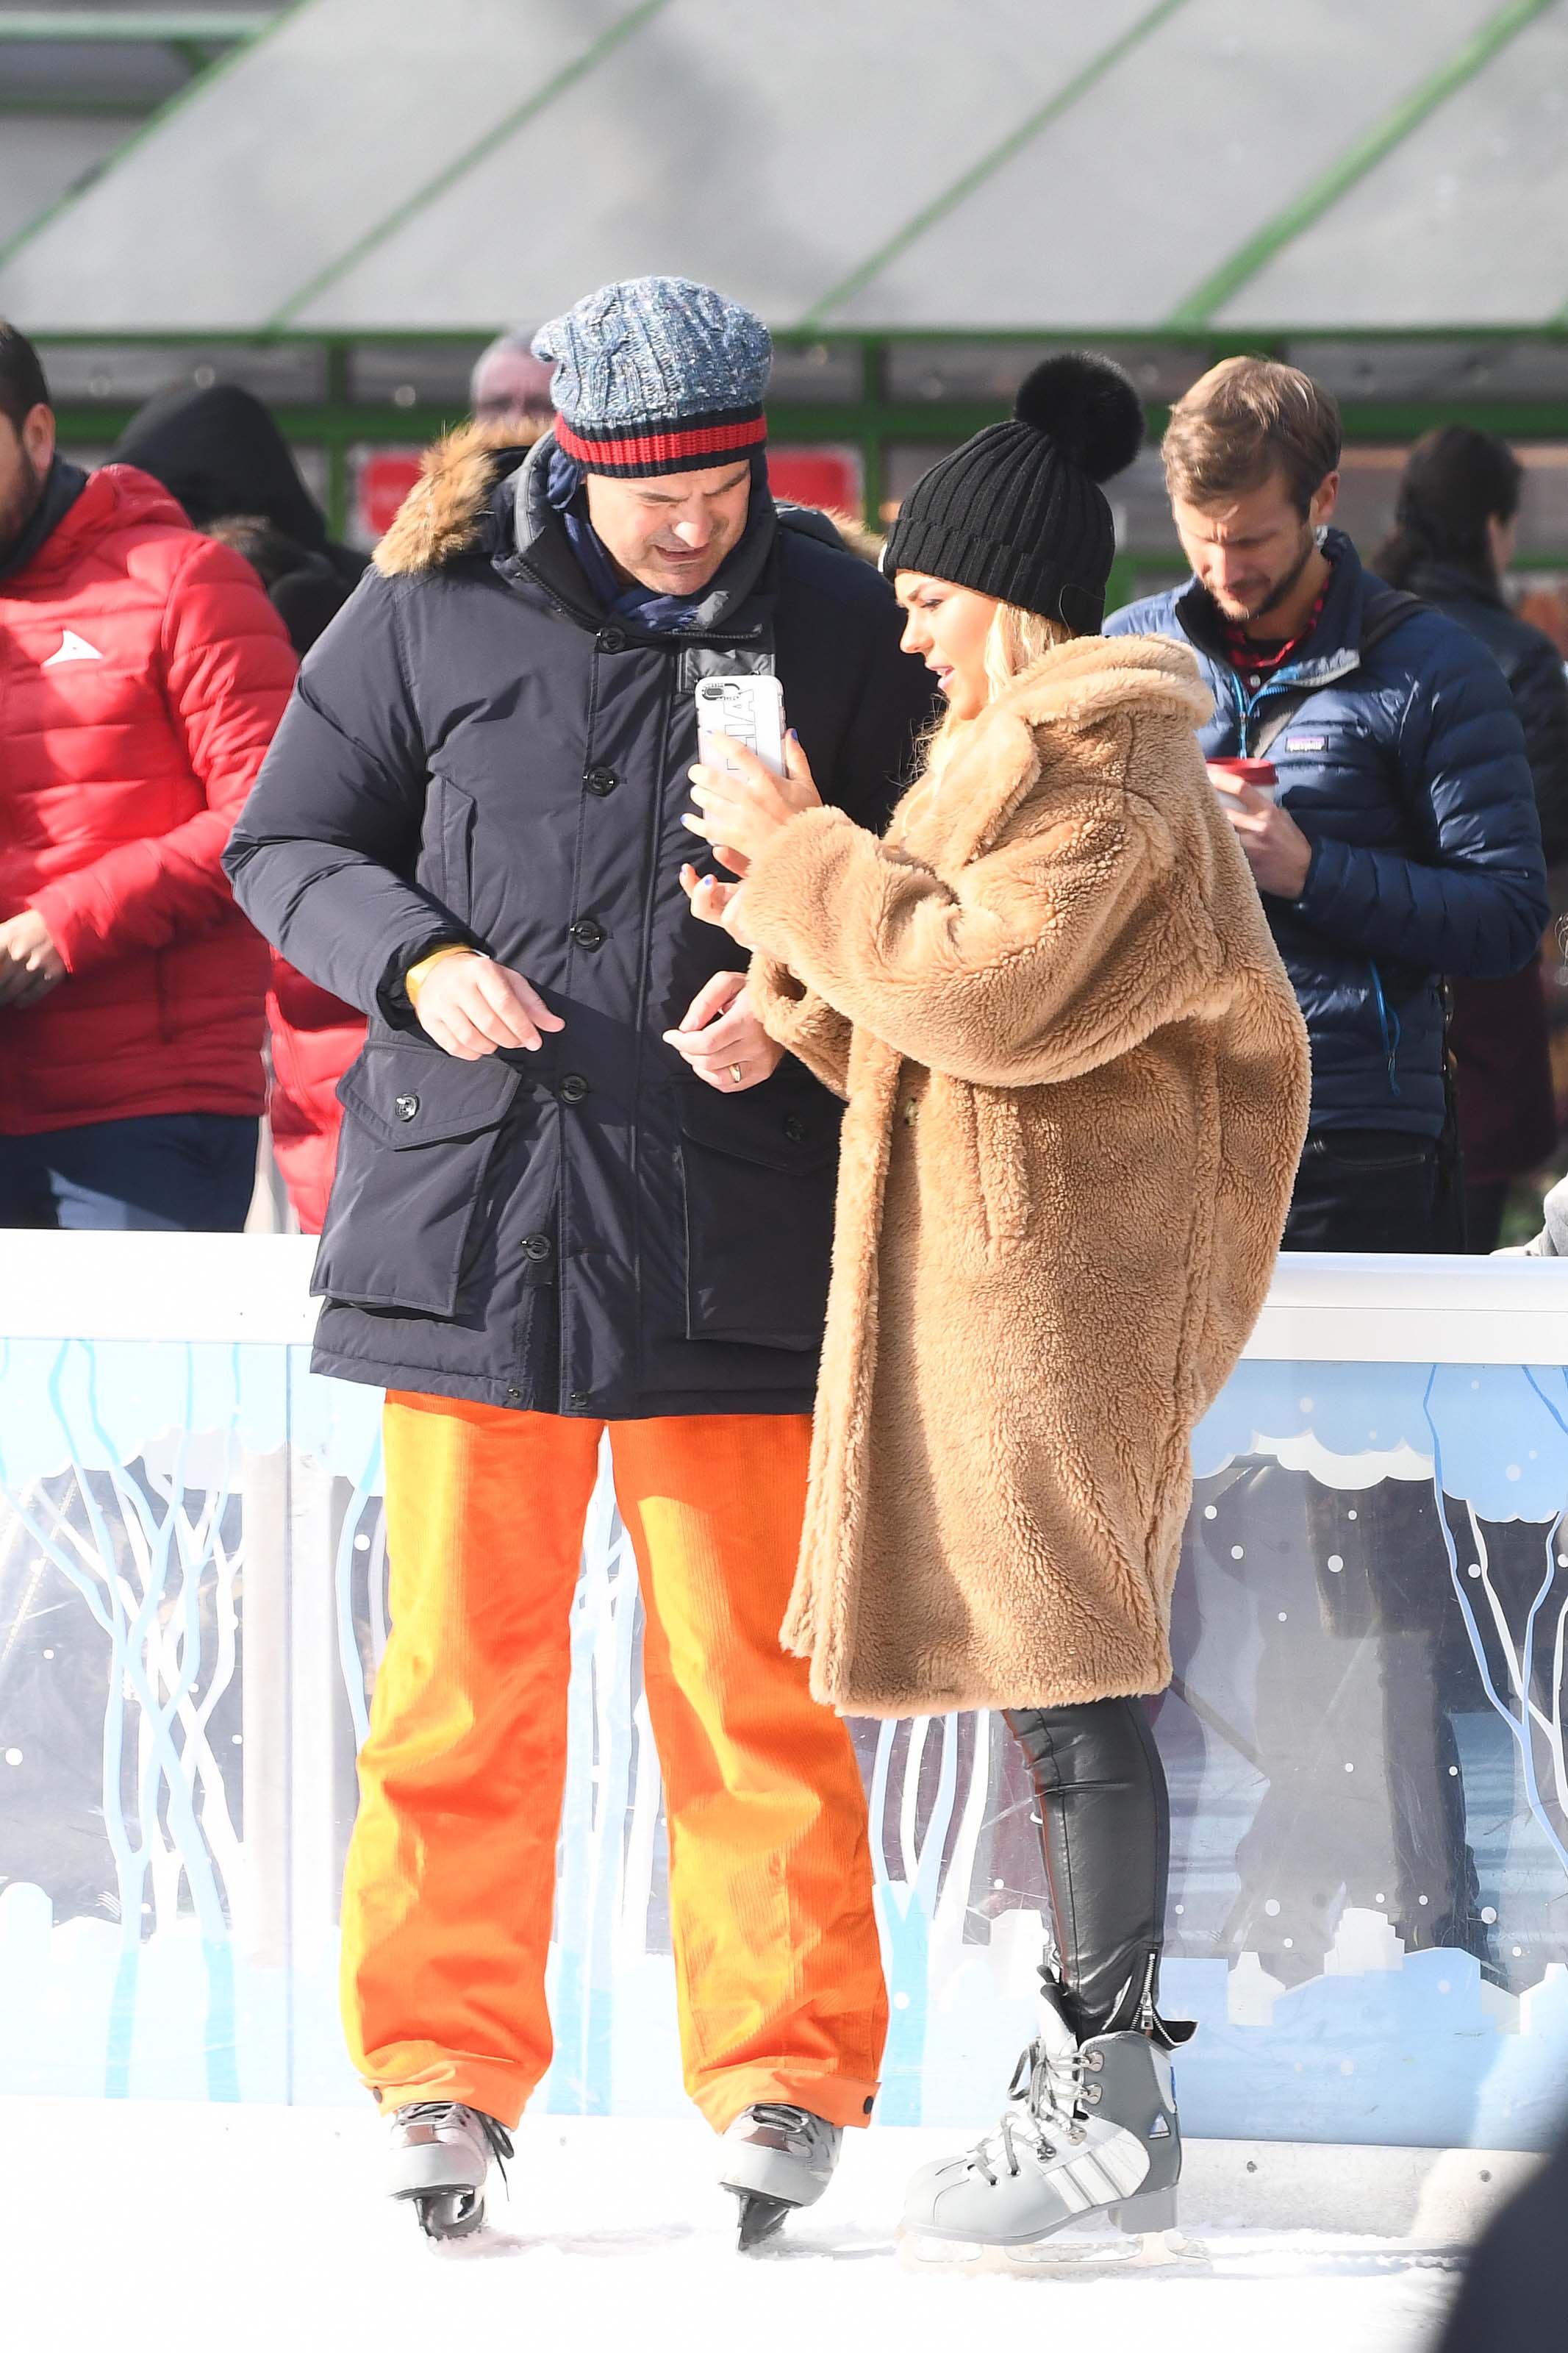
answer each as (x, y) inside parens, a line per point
(144, 2225)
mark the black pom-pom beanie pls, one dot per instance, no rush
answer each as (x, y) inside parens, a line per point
(1017, 512)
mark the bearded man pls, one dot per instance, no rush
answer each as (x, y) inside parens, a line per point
(1392, 830)
(142, 671)
(581, 1190)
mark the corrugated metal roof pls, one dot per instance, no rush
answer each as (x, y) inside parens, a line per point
(383, 164)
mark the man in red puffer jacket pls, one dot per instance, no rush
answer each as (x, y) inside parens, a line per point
(142, 671)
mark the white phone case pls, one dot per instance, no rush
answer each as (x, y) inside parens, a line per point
(750, 708)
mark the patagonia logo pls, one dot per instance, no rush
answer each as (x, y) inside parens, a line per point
(1306, 744)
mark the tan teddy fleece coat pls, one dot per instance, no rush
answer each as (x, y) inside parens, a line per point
(1077, 1083)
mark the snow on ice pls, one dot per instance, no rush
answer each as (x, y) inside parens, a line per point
(147, 2225)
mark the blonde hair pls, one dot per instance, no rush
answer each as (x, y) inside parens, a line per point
(1015, 642)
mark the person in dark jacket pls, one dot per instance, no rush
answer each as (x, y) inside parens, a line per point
(222, 455)
(1397, 844)
(1454, 530)
(306, 589)
(580, 1187)
(220, 451)
(1401, 843)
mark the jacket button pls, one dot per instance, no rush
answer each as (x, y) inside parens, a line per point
(611, 641)
(601, 781)
(795, 1129)
(406, 1106)
(536, 1247)
(572, 1088)
(513, 1395)
(588, 933)
(578, 1400)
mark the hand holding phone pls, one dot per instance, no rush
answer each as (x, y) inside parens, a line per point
(745, 790)
(749, 708)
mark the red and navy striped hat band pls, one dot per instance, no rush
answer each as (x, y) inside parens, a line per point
(674, 446)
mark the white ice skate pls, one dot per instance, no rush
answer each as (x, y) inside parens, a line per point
(1089, 2135)
(441, 2153)
(776, 2157)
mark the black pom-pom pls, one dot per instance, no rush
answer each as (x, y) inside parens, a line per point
(1087, 408)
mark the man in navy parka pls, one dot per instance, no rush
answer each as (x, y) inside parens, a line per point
(1400, 844)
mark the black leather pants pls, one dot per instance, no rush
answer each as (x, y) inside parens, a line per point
(1105, 1827)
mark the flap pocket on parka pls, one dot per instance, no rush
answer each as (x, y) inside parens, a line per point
(407, 1095)
(416, 1145)
(759, 1172)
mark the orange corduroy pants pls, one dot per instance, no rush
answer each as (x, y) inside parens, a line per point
(448, 1891)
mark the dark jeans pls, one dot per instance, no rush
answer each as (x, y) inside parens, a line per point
(178, 1172)
(1484, 1208)
(1367, 1188)
(1105, 1827)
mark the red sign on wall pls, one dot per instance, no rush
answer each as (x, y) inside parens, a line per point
(382, 480)
(829, 476)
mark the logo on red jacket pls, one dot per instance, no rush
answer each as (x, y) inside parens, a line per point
(73, 648)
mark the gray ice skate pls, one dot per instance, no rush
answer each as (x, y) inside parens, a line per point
(441, 2153)
(776, 2157)
(1090, 2135)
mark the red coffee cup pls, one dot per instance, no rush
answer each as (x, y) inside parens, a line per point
(1261, 774)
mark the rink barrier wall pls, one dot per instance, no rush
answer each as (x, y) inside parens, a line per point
(1365, 1734)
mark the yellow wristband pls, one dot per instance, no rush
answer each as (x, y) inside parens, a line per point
(415, 978)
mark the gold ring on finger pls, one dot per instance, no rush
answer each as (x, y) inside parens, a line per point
(736, 1073)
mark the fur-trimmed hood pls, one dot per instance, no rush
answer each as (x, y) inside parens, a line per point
(443, 514)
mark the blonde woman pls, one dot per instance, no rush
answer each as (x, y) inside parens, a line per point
(1077, 1089)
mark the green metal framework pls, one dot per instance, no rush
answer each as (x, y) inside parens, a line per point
(1309, 205)
(258, 26)
(872, 423)
(1081, 84)
(201, 33)
(534, 104)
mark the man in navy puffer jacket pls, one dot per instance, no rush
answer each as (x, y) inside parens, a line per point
(1402, 844)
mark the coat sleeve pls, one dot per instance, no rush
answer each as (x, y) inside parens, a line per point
(1055, 953)
(226, 667)
(1540, 686)
(323, 855)
(1475, 905)
(804, 1024)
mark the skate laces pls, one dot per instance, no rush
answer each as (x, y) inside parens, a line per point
(452, 2112)
(1034, 2096)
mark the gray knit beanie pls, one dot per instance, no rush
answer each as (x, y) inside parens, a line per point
(657, 375)
(1017, 512)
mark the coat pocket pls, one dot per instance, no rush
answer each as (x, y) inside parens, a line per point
(977, 1155)
(758, 1173)
(417, 1143)
(456, 816)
